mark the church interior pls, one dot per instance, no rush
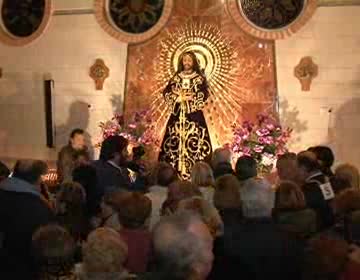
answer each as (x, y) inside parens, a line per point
(117, 111)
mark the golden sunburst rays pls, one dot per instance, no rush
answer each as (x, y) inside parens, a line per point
(219, 61)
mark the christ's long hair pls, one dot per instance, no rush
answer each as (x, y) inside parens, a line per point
(196, 64)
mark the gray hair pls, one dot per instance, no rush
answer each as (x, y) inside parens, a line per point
(177, 249)
(257, 198)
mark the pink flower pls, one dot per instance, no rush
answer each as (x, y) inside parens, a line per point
(270, 126)
(258, 149)
(269, 140)
(246, 151)
(132, 126)
(262, 132)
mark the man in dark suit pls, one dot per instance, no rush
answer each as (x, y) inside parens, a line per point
(111, 168)
(317, 188)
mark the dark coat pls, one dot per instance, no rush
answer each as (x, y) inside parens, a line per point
(302, 222)
(256, 249)
(86, 175)
(111, 178)
(315, 199)
(22, 212)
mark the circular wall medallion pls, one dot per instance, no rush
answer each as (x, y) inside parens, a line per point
(22, 22)
(133, 21)
(271, 19)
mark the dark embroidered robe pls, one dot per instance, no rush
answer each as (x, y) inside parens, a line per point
(187, 138)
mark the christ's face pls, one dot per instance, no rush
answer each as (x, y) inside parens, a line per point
(188, 62)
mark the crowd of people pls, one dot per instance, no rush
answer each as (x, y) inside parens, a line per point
(116, 218)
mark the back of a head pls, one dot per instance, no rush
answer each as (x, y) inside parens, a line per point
(176, 247)
(30, 170)
(54, 249)
(287, 167)
(326, 258)
(111, 145)
(350, 173)
(246, 167)
(86, 176)
(104, 253)
(308, 161)
(347, 201)
(134, 211)
(207, 212)
(257, 199)
(202, 175)
(70, 209)
(165, 174)
(289, 196)
(324, 155)
(70, 196)
(220, 155)
(227, 193)
(182, 189)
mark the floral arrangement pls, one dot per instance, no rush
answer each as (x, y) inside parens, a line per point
(264, 141)
(139, 129)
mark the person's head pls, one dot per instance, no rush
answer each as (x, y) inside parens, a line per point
(70, 208)
(30, 171)
(227, 194)
(53, 250)
(339, 184)
(286, 166)
(347, 201)
(307, 164)
(326, 258)
(138, 152)
(164, 174)
(206, 211)
(109, 205)
(325, 157)
(188, 61)
(289, 197)
(81, 157)
(246, 168)
(104, 254)
(183, 246)
(257, 199)
(182, 189)
(4, 171)
(220, 156)
(71, 197)
(134, 210)
(202, 175)
(115, 148)
(350, 173)
(77, 139)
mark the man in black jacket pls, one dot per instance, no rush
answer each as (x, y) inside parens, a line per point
(317, 188)
(111, 168)
(22, 211)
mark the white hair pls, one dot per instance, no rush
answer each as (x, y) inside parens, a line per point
(176, 248)
(257, 198)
